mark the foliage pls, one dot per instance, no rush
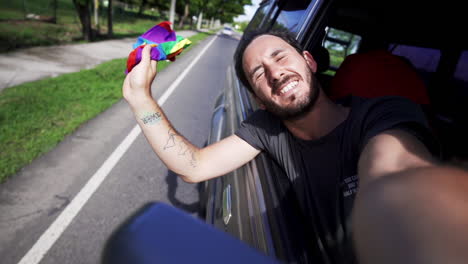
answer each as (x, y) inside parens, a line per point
(16, 32)
(242, 25)
(224, 10)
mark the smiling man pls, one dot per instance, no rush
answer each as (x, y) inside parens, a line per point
(325, 148)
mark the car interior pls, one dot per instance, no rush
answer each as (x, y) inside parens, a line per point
(410, 51)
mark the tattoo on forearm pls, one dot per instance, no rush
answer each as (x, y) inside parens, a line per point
(184, 147)
(151, 118)
(171, 140)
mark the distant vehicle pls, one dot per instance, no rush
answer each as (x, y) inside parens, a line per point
(227, 31)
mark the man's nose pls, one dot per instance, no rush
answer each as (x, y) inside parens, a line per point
(275, 73)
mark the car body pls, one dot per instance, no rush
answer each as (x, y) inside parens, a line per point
(227, 31)
(254, 203)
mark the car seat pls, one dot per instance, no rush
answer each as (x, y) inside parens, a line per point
(378, 73)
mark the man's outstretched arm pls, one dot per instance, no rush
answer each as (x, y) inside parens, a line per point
(193, 164)
(409, 209)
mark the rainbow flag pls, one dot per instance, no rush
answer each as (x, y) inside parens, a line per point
(166, 45)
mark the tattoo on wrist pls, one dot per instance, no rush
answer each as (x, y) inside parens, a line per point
(151, 118)
(184, 148)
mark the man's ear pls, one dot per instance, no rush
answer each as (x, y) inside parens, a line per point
(310, 61)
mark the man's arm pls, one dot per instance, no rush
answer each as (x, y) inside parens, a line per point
(409, 209)
(390, 152)
(193, 164)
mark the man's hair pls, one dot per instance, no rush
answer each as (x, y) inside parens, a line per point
(247, 39)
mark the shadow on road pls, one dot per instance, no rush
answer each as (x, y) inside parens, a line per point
(171, 180)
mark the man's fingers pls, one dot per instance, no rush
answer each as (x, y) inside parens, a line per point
(154, 64)
(127, 80)
(146, 55)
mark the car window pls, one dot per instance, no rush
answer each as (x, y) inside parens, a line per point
(461, 72)
(292, 15)
(423, 59)
(339, 44)
(261, 15)
(460, 78)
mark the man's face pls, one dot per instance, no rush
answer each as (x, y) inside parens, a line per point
(281, 78)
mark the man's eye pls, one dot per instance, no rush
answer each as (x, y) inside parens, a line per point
(260, 74)
(281, 58)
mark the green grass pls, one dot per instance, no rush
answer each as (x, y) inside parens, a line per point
(35, 116)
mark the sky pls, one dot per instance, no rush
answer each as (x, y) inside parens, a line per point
(249, 11)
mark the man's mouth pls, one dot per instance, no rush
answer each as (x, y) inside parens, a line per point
(291, 85)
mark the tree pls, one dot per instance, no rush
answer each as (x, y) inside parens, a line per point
(172, 11)
(109, 19)
(159, 4)
(54, 6)
(183, 9)
(229, 9)
(82, 7)
(143, 3)
(224, 10)
(96, 13)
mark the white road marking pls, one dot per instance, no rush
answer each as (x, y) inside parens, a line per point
(50, 236)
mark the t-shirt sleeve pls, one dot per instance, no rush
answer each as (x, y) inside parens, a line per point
(397, 113)
(252, 130)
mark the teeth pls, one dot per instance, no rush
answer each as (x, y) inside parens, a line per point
(289, 87)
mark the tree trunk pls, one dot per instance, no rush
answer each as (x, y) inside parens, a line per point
(200, 21)
(186, 13)
(96, 13)
(172, 12)
(142, 6)
(109, 19)
(82, 7)
(54, 19)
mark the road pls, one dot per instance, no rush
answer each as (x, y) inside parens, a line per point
(31, 64)
(34, 198)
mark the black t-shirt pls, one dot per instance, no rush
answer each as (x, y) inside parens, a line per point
(323, 172)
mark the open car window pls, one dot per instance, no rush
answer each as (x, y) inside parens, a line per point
(261, 17)
(462, 69)
(292, 15)
(339, 44)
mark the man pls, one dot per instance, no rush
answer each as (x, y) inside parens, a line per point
(325, 148)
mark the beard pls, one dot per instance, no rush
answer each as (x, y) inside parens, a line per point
(300, 107)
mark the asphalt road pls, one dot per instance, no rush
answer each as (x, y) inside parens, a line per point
(33, 199)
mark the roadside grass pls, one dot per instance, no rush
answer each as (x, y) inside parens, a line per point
(36, 116)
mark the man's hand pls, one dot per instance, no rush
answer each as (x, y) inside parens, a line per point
(137, 84)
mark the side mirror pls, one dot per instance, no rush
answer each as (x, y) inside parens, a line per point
(159, 233)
